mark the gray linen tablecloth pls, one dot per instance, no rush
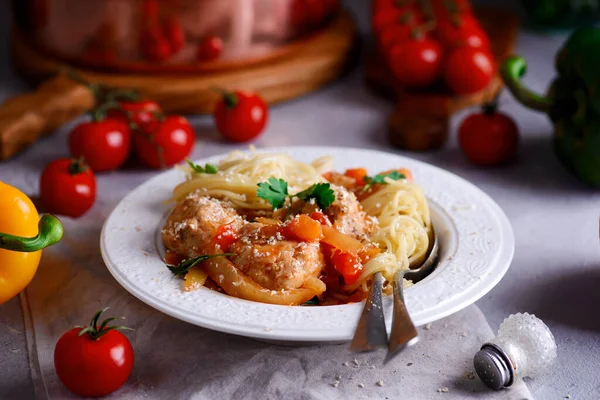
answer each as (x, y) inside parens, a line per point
(180, 361)
(555, 272)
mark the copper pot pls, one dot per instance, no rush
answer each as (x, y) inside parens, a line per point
(168, 35)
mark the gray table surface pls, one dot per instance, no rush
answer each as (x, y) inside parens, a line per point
(556, 269)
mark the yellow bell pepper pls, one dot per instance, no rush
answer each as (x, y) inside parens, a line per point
(23, 234)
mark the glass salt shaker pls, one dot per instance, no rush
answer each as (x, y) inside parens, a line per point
(524, 346)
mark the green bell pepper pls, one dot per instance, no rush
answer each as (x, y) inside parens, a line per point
(572, 102)
(560, 14)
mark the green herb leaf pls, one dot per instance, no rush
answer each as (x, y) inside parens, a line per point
(207, 169)
(275, 191)
(183, 267)
(380, 179)
(321, 192)
(312, 302)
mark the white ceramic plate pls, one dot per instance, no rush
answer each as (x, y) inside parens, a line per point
(477, 246)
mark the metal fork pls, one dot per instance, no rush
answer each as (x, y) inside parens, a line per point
(370, 332)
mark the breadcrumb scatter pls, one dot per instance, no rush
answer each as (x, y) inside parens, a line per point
(380, 383)
(335, 384)
(428, 326)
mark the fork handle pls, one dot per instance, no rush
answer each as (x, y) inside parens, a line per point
(403, 332)
(371, 333)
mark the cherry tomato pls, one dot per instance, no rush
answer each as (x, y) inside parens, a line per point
(67, 187)
(171, 142)
(445, 9)
(143, 113)
(488, 138)
(385, 18)
(348, 265)
(393, 34)
(467, 32)
(299, 16)
(154, 45)
(210, 48)
(174, 34)
(468, 70)
(416, 63)
(384, 4)
(241, 116)
(103, 144)
(93, 362)
(316, 11)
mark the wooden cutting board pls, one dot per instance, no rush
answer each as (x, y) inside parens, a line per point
(420, 120)
(305, 68)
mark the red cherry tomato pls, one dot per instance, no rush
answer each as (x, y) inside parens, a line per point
(393, 34)
(67, 187)
(468, 70)
(171, 142)
(384, 4)
(385, 18)
(488, 138)
(416, 63)
(94, 363)
(467, 32)
(299, 16)
(348, 265)
(174, 34)
(316, 11)
(241, 116)
(143, 113)
(445, 9)
(209, 49)
(103, 144)
(154, 44)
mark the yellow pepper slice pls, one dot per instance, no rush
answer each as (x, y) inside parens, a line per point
(22, 236)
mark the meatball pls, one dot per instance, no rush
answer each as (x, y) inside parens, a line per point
(193, 224)
(273, 262)
(348, 216)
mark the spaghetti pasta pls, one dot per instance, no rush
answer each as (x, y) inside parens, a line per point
(398, 206)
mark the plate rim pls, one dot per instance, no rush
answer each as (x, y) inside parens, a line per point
(506, 251)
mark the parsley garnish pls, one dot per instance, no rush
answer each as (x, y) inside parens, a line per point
(207, 169)
(183, 267)
(275, 192)
(321, 192)
(380, 179)
(312, 302)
